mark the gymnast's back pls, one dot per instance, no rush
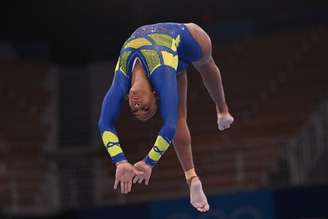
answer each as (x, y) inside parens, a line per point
(159, 44)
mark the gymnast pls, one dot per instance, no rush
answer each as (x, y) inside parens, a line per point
(154, 61)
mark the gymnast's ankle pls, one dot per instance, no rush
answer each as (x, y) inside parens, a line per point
(190, 176)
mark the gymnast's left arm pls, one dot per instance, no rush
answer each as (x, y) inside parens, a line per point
(166, 87)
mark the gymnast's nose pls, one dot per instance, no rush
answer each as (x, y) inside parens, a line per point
(137, 105)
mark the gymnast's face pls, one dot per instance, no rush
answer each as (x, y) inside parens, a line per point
(142, 103)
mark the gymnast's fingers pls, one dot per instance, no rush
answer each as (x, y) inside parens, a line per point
(147, 180)
(135, 179)
(129, 186)
(141, 178)
(126, 187)
(116, 183)
(122, 187)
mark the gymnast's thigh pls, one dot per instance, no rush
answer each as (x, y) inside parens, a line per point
(182, 93)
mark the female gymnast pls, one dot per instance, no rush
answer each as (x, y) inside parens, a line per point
(154, 61)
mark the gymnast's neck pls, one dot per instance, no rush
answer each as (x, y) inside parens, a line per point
(139, 79)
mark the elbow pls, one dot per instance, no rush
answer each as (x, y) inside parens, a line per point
(169, 131)
(103, 125)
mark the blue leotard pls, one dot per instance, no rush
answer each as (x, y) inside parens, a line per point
(165, 50)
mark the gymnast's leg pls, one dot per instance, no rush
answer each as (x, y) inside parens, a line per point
(182, 146)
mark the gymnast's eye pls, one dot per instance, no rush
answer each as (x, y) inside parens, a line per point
(146, 109)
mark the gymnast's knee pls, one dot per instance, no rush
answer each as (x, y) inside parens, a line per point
(182, 135)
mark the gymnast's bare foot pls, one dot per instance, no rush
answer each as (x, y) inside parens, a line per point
(197, 196)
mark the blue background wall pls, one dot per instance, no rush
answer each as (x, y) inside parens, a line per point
(294, 203)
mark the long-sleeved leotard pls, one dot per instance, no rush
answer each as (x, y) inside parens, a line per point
(164, 50)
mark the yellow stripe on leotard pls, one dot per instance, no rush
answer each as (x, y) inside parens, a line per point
(111, 142)
(161, 145)
(117, 65)
(137, 43)
(170, 59)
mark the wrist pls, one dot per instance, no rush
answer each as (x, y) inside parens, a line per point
(222, 109)
(149, 162)
(120, 162)
(148, 165)
(118, 158)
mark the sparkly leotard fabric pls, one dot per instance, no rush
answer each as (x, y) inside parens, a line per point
(164, 50)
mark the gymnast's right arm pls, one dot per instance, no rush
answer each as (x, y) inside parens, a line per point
(111, 107)
(165, 84)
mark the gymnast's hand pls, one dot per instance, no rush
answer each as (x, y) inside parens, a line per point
(145, 169)
(124, 175)
(224, 120)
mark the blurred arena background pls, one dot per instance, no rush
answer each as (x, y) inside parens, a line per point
(56, 63)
